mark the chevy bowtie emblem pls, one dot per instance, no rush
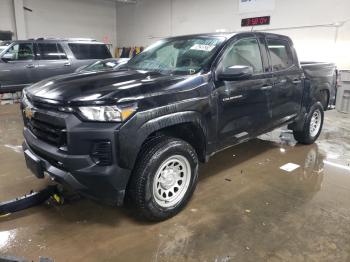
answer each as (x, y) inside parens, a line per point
(28, 112)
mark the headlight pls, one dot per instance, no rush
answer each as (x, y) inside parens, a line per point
(24, 98)
(24, 94)
(107, 113)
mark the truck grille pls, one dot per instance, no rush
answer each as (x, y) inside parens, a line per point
(48, 128)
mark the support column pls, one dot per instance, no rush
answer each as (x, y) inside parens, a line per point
(19, 20)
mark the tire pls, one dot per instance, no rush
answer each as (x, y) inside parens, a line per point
(312, 126)
(164, 165)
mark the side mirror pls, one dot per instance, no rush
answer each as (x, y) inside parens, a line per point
(237, 72)
(7, 57)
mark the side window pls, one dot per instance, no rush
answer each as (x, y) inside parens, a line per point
(244, 52)
(20, 52)
(281, 55)
(50, 51)
(89, 51)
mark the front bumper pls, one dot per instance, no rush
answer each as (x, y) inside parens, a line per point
(74, 166)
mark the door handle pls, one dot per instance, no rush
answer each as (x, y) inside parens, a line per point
(266, 87)
(30, 66)
(296, 81)
(67, 64)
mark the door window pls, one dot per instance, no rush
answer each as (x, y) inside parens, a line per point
(244, 52)
(281, 55)
(50, 51)
(20, 52)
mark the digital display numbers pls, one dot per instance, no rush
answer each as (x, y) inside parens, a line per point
(254, 21)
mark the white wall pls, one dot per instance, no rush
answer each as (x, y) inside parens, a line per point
(64, 18)
(71, 18)
(148, 20)
(7, 22)
(139, 22)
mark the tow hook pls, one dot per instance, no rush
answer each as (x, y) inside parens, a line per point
(51, 193)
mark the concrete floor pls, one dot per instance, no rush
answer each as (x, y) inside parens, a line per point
(244, 209)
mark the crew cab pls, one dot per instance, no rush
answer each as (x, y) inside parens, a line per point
(140, 132)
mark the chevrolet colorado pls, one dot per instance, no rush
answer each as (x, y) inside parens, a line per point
(142, 130)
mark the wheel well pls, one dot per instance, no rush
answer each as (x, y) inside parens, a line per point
(324, 93)
(189, 132)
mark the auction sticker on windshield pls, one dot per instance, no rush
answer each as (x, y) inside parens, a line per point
(206, 48)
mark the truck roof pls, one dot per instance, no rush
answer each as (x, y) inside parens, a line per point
(228, 35)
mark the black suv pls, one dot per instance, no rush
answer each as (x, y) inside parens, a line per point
(140, 131)
(28, 61)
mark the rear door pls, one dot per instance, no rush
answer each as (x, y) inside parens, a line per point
(287, 77)
(18, 66)
(52, 60)
(244, 108)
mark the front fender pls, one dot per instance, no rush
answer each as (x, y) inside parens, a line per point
(133, 134)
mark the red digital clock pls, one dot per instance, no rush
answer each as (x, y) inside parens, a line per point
(254, 21)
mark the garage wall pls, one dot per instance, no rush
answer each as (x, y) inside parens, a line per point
(7, 21)
(71, 18)
(63, 18)
(142, 21)
(149, 20)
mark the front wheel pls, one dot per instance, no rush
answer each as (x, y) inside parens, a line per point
(164, 179)
(312, 127)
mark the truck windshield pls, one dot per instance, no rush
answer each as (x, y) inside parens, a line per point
(178, 56)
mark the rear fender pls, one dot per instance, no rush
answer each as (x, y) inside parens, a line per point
(299, 123)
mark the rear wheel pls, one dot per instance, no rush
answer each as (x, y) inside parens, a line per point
(164, 178)
(312, 127)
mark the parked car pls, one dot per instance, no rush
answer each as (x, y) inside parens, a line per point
(141, 130)
(25, 62)
(104, 65)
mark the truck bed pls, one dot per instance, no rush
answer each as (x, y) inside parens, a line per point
(322, 76)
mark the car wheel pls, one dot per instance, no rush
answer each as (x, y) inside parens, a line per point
(312, 127)
(164, 178)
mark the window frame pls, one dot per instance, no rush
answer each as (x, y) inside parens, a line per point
(216, 64)
(230, 46)
(19, 43)
(38, 51)
(289, 52)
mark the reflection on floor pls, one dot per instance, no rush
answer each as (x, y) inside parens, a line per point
(245, 207)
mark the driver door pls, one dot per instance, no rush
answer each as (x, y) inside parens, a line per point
(18, 67)
(244, 106)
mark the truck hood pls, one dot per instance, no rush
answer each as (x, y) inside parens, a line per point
(106, 87)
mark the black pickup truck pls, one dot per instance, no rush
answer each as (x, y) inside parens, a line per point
(142, 130)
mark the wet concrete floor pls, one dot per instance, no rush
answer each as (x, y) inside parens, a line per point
(245, 207)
